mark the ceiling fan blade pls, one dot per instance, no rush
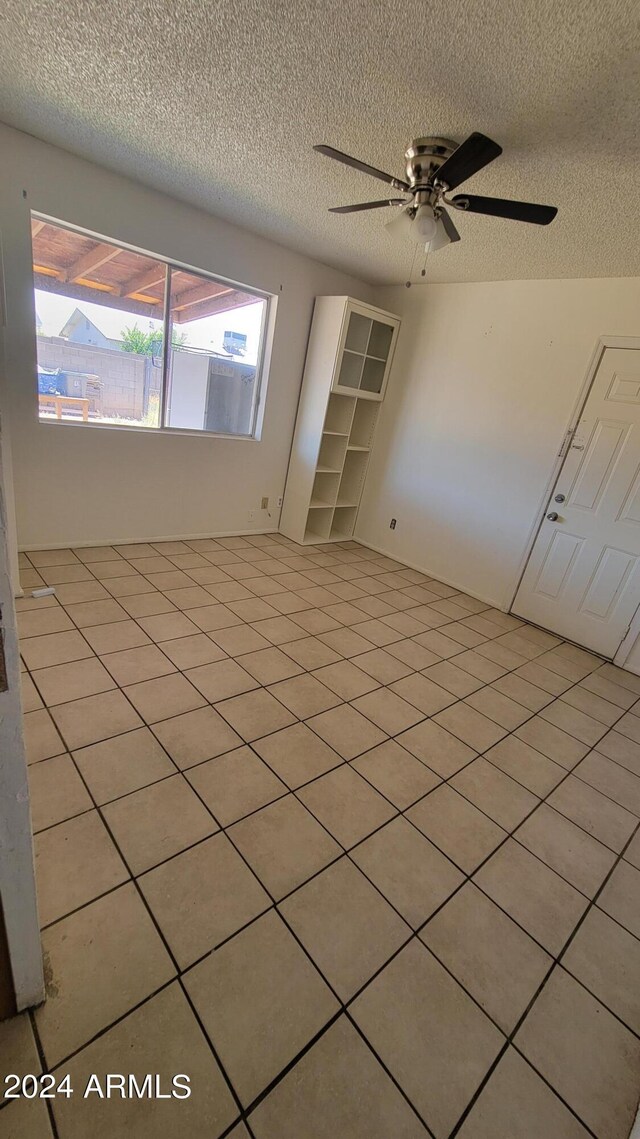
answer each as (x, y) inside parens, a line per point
(472, 154)
(339, 156)
(366, 206)
(505, 208)
(448, 226)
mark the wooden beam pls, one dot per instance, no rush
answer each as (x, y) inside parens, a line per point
(89, 262)
(85, 293)
(224, 303)
(36, 227)
(143, 281)
(201, 292)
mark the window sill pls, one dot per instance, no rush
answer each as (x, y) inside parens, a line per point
(130, 427)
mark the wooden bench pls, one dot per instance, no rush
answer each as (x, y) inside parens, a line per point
(65, 401)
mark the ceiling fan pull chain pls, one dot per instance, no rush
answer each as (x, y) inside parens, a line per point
(413, 262)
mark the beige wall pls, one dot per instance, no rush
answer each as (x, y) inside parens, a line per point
(482, 390)
(85, 485)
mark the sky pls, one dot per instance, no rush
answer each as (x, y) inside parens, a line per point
(54, 311)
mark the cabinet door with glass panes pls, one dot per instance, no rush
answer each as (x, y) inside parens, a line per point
(365, 353)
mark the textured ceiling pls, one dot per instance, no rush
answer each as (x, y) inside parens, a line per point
(218, 102)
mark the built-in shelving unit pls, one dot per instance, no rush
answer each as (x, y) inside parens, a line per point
(346, 372)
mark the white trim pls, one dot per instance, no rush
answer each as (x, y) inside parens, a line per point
(628, 641)
(140, 541)
(602, 344)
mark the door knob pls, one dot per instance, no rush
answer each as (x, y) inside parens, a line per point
(553, 517)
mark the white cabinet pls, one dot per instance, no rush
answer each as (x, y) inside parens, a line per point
(347, 367)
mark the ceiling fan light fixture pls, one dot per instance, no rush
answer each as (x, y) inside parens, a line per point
(439, 239)
(425, 223)
(401, 225)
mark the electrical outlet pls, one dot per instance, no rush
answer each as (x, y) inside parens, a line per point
(280, 500)
(392, 524)
(264, 505)
(251, 516)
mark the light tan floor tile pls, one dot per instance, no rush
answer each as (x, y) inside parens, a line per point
(575, 722)
(115, 637)
(589, 1058)
(499, 796)
(130, 550)
(517, 1103)
(629, 725)
(346, 805)
(388, 710)
(532, 894)
(41, 738)
(345, 642)
(186, 596)
(147, 604)
(221, 679)
(268, 665)
(439, 643)
(338, 1088)
(506, 712)
(130, 666)
(90, 613)
(153, 563)
(30, 579)
(75, 862)
(408, 870)
(604, 819)
(157, 822)
(613, 691)
(456, 680)
(606, 959)
(543, 678)
(470, 726)
(567, 849)
(56, 792)
(458, 828)
(94, 718)
(552, 742)
(235, 784)
(297, 754)
(246, 994)
(346, 679)
(279, 630)
(239, 640)
(168, 626)
(122, 764)
(195, 736)
(396, 774)
(73, 681)
(25, 1119)
(51, 558)
(621, 897)
(255, 714)
(632, 853)
(284, 845)
(202, 897)
(611, 779)
(157, 1038)
(314, 621)
(90, 554)
(418, 690)
(133, 585)
(439, 749)
(304, 696)
(100, 962)
(593, 705)
(523, 692)
(189, 652)
(38, 622)
(18, 1047)
(310, 652)
(255, 609)
(345, 925)
(495, 960)
(53, 649)
(430, 1035)
(526, 765)
(165, 697)
(346, 731)
(382, 666)
(209, 618)
(622, 749)
(30, 697)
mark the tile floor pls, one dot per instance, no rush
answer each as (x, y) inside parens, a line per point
(355, 852)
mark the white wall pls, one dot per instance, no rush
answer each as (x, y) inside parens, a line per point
(77, 485)
(483, 385)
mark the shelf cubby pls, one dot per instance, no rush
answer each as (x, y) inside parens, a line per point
(363, 424)
(340, 411)
(344, 518)
(332, 452)
(325, 490)
(318, 526)
(379, 341)
(352, 480)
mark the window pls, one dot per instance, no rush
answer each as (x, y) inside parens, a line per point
(129, 340)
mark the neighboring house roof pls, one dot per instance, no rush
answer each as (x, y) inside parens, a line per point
(79, 318)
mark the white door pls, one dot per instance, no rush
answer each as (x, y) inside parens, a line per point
(582, 579)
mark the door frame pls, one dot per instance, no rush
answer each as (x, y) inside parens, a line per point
(603, 342)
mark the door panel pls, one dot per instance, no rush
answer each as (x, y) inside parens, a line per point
(582, 579)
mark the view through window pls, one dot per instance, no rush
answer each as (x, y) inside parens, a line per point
(101, 312)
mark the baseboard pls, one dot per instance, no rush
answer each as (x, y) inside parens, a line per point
(139, 541)
(428, 573)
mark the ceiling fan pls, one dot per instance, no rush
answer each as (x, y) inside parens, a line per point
(435, 167)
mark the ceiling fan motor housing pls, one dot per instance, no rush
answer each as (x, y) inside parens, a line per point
(424, 158)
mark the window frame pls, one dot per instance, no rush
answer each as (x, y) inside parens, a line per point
(265, 342)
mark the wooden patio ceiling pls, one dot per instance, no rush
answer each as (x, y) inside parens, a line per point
(85, 269)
